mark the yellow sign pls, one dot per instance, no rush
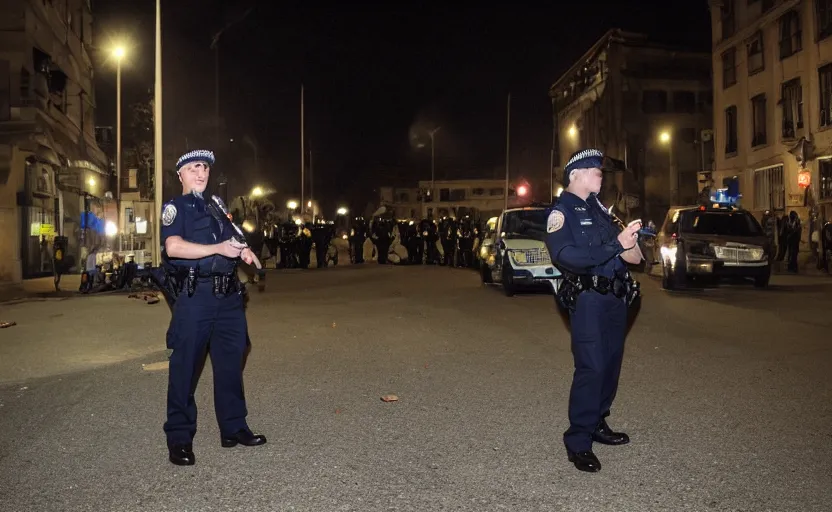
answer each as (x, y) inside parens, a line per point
(47, 229)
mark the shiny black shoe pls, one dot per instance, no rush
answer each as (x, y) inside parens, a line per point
(603, 434)
(244, 437)
(181, 454)
(585, 461)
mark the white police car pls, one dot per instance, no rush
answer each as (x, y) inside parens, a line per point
(514, 253)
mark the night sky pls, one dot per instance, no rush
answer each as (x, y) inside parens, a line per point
(374, 77)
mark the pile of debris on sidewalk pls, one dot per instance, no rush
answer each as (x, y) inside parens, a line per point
(148, 297)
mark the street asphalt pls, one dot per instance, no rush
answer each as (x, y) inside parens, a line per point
(726, 394)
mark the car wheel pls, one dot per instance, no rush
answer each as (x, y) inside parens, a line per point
(485, 274)
(667, 280)
(762, 281)
(507, 279)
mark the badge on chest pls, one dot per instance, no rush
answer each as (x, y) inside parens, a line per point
(586, 222)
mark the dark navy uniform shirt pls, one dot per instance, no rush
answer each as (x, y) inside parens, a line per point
(582, 238)
(187, 216)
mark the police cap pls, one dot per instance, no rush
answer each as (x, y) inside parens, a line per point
(584, 159)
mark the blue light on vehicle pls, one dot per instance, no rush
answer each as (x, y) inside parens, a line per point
(723, 197)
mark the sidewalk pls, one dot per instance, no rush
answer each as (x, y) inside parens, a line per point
(41, 288)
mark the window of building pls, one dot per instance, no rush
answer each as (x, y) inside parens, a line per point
(758, 120)
(825, 91)
(756, 62)
(769, 189)
(495, 192)
(731, 130)
(825, 172)
(654, 102)
(478, 191)
(444, 194)
(823, 11)
(791, 40)
(132, 179)
(684, 102)
(128, 215)
(457, 194)
(687, 135)
(728, 19)
(729, 67)
(404, 197)
(792, 103)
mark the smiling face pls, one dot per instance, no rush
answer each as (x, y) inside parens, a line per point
(194, 177)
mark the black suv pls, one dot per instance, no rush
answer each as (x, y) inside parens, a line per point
(713, 243)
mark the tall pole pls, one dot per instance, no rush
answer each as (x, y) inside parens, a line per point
(432, 166)
(432, 134)
(118, 153)
(554, 148)
(311, 181)
(157, 143)
(508, 141)
(674, 177)
(302, 154)
(217, 93)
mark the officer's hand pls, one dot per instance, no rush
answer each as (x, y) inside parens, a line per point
(229, 249)
(628, 237)
(248, 256)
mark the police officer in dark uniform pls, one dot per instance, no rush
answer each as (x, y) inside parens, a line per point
(202, 259)
(321, 235)
(591, 250)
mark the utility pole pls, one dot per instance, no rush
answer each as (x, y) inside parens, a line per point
(158, 156)
(302, 154)
(508, 142)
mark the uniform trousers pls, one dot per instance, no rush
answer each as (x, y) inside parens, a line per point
(599, 325)
(218, 324)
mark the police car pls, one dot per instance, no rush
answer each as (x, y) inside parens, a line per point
(513, 252)
(712, 241)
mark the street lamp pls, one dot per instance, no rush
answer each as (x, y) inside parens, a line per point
(666, 138)
(292, 205)
(432, 134)
(573, 131)
(257, 192)
(118, 52)
(342, 211)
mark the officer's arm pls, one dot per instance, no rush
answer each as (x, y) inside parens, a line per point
(173, 227)
(565, 251)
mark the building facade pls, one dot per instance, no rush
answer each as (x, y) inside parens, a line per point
(54, 177)
(649, 109)
(772, 64)
(480, 199)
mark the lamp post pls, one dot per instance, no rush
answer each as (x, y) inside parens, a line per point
(432, 134)
(157, 139)
(118, 53)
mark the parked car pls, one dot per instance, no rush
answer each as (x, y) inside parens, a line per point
(513, 252)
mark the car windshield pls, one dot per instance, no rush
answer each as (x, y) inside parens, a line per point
(525, 224)
(720, 223)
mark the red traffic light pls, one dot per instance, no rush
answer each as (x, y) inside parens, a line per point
(522, 190)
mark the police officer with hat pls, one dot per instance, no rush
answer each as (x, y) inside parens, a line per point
(591, 250)
(201, 258)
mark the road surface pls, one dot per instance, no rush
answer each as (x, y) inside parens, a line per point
(725, 393)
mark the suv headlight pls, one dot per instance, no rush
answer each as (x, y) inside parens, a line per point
(757, 253)
(519, 256)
